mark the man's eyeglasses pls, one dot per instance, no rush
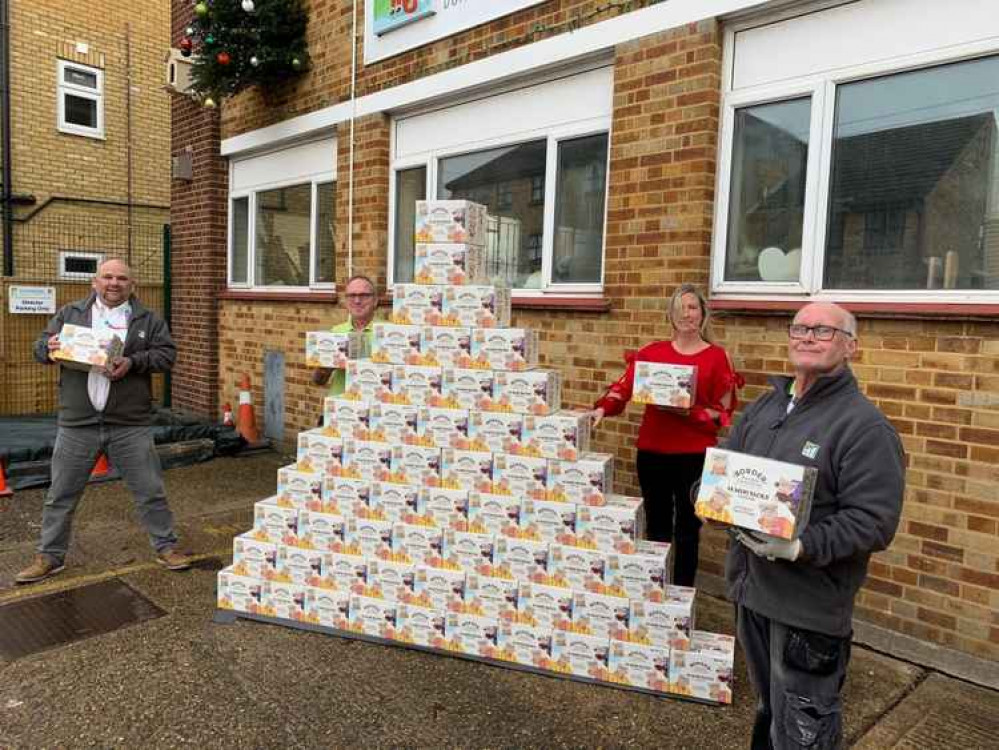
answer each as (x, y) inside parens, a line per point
(821, 333)
(360, 296)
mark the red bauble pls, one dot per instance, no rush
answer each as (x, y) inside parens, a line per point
(223, 58)
(186, 45)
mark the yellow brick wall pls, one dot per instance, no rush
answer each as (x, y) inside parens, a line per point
(129, 42)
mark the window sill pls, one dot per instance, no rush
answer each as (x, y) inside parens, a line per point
(565, 302)
(255, 295)
(972, 311)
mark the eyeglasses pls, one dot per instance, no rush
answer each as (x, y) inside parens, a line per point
(360, 296)
(821, 333)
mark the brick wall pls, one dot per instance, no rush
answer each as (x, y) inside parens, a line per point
(939, 582)
(198, 225)
(128, 43)
(329, 32)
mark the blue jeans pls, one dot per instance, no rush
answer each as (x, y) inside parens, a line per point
(797, 675)
(131, 451)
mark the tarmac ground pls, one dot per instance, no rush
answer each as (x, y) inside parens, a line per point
(183, 680)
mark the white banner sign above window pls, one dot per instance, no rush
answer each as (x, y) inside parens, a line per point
(395, 26)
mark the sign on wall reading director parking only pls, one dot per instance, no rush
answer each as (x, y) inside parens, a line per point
(26, 300)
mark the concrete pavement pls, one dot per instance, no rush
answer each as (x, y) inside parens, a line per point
(182, 680)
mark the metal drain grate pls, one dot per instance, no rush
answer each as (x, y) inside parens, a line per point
(46, 622)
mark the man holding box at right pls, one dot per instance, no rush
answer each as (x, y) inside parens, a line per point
(794, 598)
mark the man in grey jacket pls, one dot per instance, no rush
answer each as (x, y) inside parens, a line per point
(794, 599)
(107, 410)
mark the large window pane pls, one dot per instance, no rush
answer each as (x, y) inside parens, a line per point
(767, 203)
(239, 240)
(410, 186)
(282, 236)
(579, 210)
(81, 111)
(502, 180)
(914, 195)
(325, 232)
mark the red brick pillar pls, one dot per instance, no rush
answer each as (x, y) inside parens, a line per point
(371, 194)
(198, 226)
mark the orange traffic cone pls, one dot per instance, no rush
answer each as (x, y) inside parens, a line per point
(227, 415)
(5, 491)
(246, 422)
(101, 468)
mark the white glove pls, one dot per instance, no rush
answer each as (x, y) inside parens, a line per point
(769, 547)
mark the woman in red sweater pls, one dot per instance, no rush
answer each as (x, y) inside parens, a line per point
(671, 443)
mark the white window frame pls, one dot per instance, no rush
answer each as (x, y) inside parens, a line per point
(251, 236)
(65, 255)
(311, 162)
(599, 124)
(95, 94)
(554, 138)
(822, 88)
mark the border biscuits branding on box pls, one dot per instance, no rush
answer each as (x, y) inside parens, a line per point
(755, 493)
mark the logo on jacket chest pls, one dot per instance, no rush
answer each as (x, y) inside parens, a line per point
(810, 449)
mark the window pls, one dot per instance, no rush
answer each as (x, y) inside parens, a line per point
(80, 106)
(579, 210)
(283, 237)
(852, 174)
(767, 203)
(915, 163)
(537, 188)
(509, 169)
(282, 218)
(507, 180)
(543, 179)
(410, 186)
(74, 265)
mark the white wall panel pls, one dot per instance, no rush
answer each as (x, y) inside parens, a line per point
(544, 107)
(863, 32)
(302, 163)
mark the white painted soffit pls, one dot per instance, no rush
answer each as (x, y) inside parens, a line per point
(561, 49)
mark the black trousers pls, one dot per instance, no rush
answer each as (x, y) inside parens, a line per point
(666, 480)
(797, 675)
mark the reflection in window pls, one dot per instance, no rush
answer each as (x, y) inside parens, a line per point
(537, 188)
(282, 246)
(483, 177)
(915, 181)
(766, 207)
(325, 232)
(240, 241)
(579, 210)
(410, 186)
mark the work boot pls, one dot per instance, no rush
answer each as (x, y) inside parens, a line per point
(171, 559)
(39, 570)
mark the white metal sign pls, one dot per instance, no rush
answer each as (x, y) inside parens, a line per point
(436, 19)
(32, 299)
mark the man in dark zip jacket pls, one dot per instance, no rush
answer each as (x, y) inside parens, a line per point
(107, 410)
(794, 599)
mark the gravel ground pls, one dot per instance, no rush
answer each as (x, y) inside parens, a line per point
(183, 680)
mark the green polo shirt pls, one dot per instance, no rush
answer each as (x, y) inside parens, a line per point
(338, 380)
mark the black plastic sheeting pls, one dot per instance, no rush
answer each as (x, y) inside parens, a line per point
(28, 441)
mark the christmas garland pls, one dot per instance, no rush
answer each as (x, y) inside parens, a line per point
(237, 44)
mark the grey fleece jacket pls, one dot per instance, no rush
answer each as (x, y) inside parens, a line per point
(855, 510)
(147, 344)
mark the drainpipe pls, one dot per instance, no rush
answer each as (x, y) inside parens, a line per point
(7, 166)
(350, 168)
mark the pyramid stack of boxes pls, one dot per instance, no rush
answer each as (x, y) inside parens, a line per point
(449, 502)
